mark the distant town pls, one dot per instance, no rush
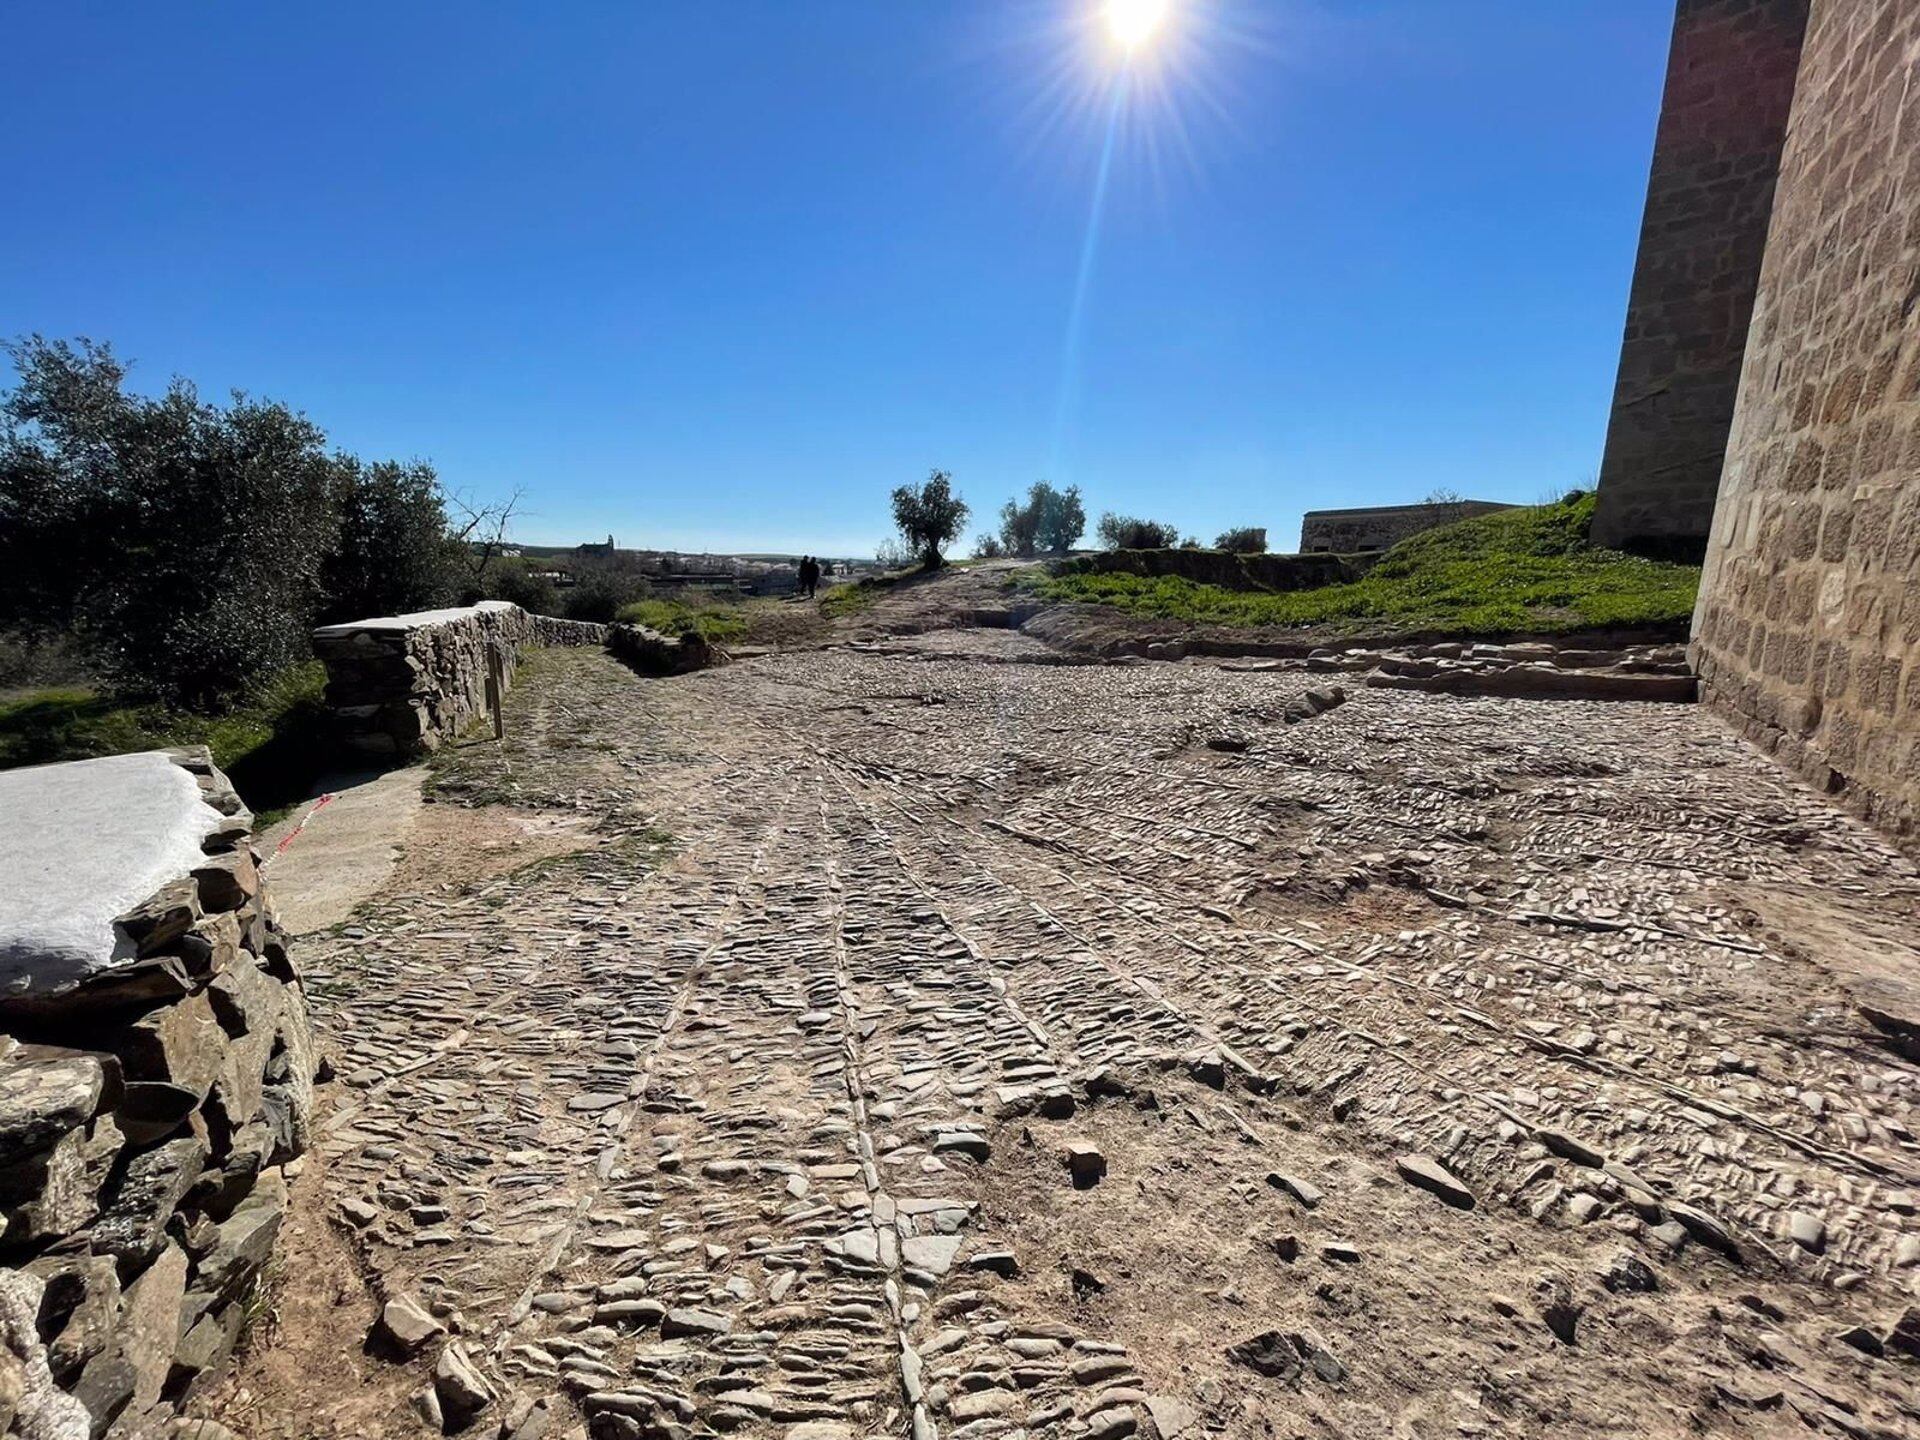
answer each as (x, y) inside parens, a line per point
(747, 575)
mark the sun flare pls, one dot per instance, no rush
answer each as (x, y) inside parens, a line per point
(1133, 23)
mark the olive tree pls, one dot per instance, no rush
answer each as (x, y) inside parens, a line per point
(393, 554)
(928, 516)
(1049, 520)
(183, 543)
(185, 548)
(1243, 540)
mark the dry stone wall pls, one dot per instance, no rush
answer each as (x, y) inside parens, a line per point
(652, 653)
(156, 1076)
(1808, 626)
(1730, 81)
(402, 684)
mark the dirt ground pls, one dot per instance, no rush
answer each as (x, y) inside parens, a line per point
(712, 1061)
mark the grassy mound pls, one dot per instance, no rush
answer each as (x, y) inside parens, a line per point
(1525, 569)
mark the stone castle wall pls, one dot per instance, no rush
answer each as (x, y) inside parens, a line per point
(1730, 82)
(1808, 626)
(402, 684)
(1380, 527)
(156, 1074)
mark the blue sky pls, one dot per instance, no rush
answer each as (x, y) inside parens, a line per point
(722, 274)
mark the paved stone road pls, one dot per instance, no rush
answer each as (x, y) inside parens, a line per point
(1437, 1067)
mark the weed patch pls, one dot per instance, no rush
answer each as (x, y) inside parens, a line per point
(716, 621)
(269, 743)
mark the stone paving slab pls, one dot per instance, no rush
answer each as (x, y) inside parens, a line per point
(940, 1046)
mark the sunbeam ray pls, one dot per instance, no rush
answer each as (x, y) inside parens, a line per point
(1067, 403)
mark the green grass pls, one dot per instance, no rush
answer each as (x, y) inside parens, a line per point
(716, 621)
(270, 744)
(1516, 570)
(860, 595)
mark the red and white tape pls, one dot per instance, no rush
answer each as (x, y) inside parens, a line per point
(294, 833)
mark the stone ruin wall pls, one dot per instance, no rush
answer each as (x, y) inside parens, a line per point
(1380, 527)
(1730, 82)
(1808, 626)
(148, 1105)
(652, 653)
(403, 684)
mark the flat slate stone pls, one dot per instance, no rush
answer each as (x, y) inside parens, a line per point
(690, 1321)
(596, 1100)
(1305, 1191)
(931, 1253)
(1435, 1178)
(45, 1094)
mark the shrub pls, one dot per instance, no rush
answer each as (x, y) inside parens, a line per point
(511, 578)
(1246, 540)
(987, 547)
(1124, 532)
(602, 593)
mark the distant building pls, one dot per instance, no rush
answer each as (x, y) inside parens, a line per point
(589, 548)
(1379, 527)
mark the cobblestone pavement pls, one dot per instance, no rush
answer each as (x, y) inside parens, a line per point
(932, 1046)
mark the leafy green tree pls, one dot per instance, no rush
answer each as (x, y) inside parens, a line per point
(929, 516)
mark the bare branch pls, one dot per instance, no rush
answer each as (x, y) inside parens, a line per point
(483, 528)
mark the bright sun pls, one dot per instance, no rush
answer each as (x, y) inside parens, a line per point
(1132, 23)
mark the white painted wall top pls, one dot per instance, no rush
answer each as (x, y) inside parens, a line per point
(81, 844)
(418, 619)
